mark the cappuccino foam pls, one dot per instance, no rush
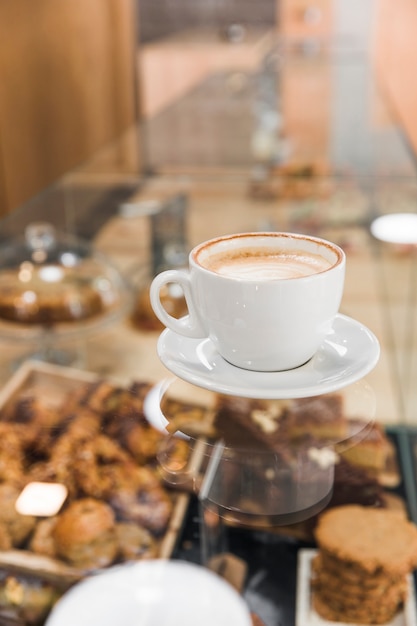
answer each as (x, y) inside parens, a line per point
(264, 265)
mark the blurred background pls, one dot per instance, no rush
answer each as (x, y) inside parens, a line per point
(148, 86)
(147, 126)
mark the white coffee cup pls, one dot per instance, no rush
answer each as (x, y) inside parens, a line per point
(265, 300)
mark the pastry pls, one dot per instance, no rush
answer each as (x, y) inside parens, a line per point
(144, 501)
(85, 534)
(354, 485)
(25, 599)
(249, 423)
(5, 538)
(371, 450)
(368, 539)
(17, 526)
(100, 467)
(320, 416)
(364, 558)
(11, 455)
(135, 542)
(42, 540)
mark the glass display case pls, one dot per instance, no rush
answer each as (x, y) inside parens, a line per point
(284, 146)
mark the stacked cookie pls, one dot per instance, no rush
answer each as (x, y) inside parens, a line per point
(365, 555)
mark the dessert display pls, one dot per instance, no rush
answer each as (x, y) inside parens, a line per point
(68, 300)
(52, 281)
(321, 419)
(277, 424)
(364, 558)
(99, 446)
(98, 442)
(300, 446)
(92, 438)
(299, 463)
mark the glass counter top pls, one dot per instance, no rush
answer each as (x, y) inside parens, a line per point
(306, 142)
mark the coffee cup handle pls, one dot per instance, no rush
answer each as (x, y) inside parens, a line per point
(189, 325)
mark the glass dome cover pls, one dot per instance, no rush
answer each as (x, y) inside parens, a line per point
(260, 462)
(51, 280)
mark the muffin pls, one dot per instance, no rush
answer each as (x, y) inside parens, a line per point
(85, 534)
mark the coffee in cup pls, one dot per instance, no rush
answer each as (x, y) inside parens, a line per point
(265, 300)
(264, 264)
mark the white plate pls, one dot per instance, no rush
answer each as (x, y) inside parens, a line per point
(307, 616)
(152, 593)
(346, 355)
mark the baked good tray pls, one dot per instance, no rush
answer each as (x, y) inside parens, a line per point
(62, 426)
(272, 559)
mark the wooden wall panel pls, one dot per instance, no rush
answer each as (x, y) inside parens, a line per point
(67, 86)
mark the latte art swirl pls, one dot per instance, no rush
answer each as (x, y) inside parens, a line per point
(252, 266)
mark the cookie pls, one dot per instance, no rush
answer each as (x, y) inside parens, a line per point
(368, 540)
(365, 555)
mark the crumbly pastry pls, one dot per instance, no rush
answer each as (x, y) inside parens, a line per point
(85, 534)
(369, 539)
(96, 396)
(97, 456)
(100, 465)
(333, 572)
(354, 485)
(364, 558)
(341, 614)
(5, 538)
(25, 600)
(135, 542)
(253, 423)
(288, 426)
(42, 540)
(387, 596)
(321, 416)
(371, 450)
(99, 444)
(249, 423)
(17, 526)
(11, 455)
(143, 500)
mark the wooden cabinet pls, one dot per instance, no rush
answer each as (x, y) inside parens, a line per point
(67, 87)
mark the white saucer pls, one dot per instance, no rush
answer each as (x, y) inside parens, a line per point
(346, 355)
